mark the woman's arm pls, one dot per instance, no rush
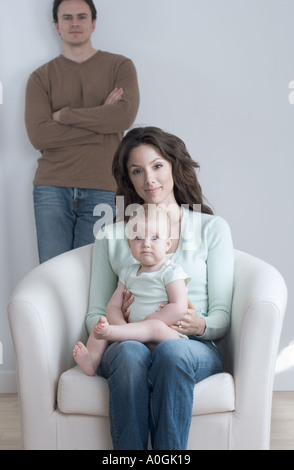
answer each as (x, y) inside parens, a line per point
(220, 277)
(191, 323)
(220, 272)
(103, 283)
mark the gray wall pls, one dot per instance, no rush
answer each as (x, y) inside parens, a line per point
(214, 72)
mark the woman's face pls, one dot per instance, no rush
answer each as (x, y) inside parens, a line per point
(151, 175)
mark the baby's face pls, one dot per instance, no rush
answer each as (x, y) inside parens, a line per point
(150, 243)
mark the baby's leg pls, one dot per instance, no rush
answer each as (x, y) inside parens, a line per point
(89, 357)
(154, 331)
(84, 359)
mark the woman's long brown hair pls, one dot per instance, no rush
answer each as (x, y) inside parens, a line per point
(187, 189)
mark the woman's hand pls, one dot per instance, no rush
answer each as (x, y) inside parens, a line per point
(128, 299)
(191, 323)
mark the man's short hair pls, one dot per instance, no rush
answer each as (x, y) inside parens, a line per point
(58, 2)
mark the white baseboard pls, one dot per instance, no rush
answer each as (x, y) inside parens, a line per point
(8, 381)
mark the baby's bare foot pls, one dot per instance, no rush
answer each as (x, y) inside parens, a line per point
(84, 359)
(102, 329)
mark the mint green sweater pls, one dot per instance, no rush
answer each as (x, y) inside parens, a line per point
(205, 252)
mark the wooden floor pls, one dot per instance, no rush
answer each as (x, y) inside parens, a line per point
(282, 432)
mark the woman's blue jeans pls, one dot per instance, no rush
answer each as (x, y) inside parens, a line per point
(154, 391)
(64, 217)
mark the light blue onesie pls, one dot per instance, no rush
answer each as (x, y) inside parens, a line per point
(149, 289)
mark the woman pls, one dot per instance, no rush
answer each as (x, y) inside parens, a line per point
(154, 391)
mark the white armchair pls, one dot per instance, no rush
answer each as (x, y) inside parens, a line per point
(62, 408)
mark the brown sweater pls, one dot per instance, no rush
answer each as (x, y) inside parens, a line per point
(78, 151)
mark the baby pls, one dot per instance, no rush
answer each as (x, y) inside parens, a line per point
(153, 281)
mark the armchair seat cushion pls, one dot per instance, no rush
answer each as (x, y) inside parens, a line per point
(84, 395)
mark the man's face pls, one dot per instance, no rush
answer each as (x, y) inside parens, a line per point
(75, 24)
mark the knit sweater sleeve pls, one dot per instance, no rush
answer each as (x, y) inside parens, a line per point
(45, 133)
(220, 273)
(114, 118)
(103, 283)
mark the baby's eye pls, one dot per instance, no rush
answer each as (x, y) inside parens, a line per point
(155, 237)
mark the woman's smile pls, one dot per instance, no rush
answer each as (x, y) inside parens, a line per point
(153, 190)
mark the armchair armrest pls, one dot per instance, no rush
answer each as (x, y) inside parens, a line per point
(250, 348)
(47, 316)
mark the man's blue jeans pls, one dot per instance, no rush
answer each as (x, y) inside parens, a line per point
(154, 391)
(64, 217)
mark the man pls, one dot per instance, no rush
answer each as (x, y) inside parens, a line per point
(77, 109)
